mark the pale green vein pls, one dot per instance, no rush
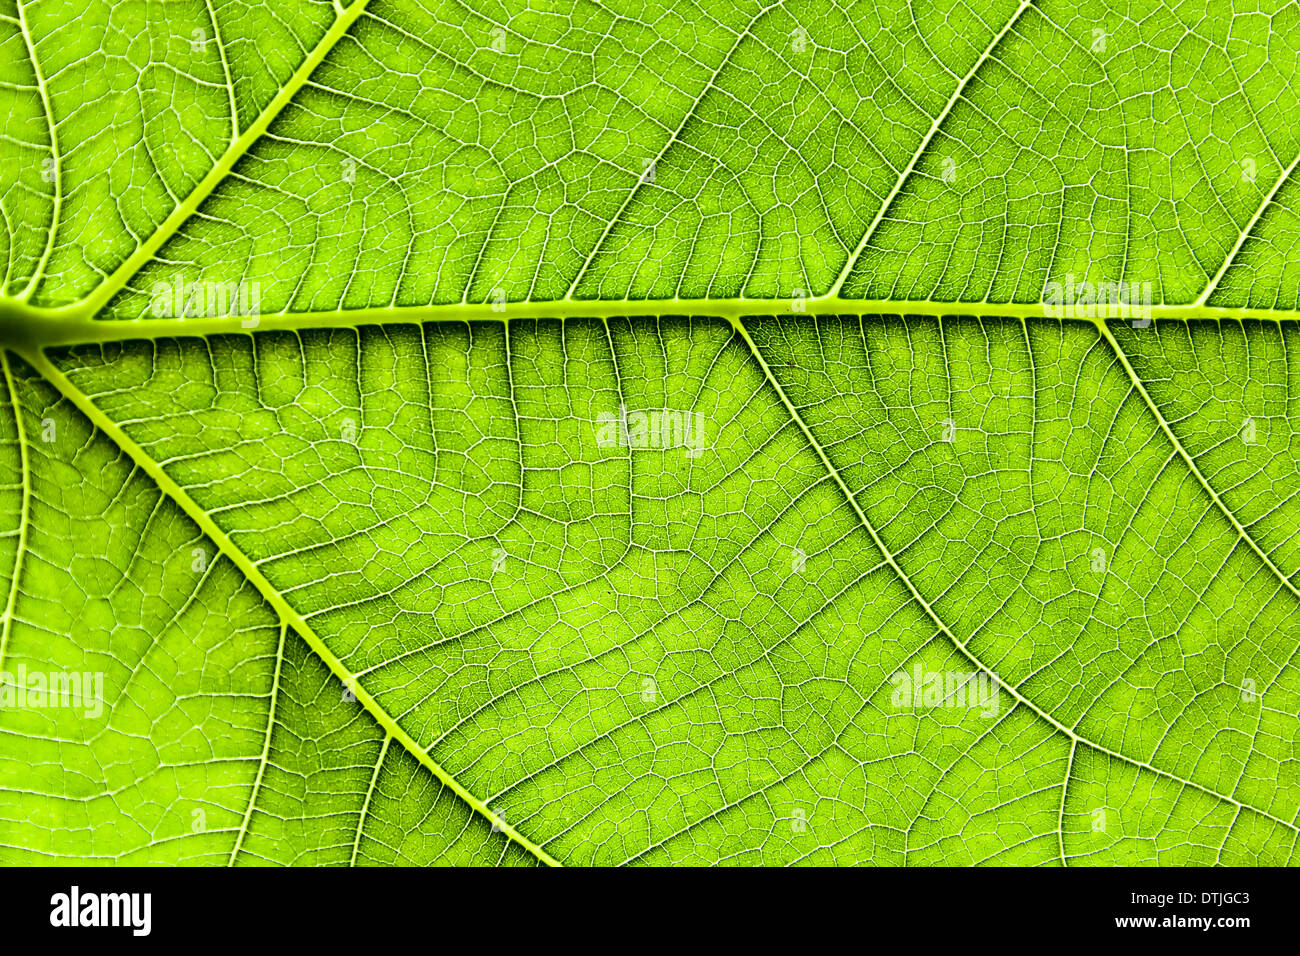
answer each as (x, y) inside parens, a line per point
(676, 134)
(266, 747)
(25, 328)
(56, 169)
(225, 69)
(370, 791)
(1245, 232)
(925, 143)
(25, 513)
(253, 574)
(888, 555)
(1065, 789)
(1187, 459)
(237, 149)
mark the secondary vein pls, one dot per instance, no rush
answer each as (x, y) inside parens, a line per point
(168, 486)
(925, 143)
(938, 621)
(90, 306)
(1187, 459)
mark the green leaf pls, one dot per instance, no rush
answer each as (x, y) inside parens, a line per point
(672, 436)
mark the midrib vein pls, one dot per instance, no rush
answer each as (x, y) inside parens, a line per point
(269, 592)
(26, 328)
(234, 152)
(938, 622)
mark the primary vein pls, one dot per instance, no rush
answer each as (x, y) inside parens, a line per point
(24, 327)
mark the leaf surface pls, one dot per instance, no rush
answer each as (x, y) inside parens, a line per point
(366, 579)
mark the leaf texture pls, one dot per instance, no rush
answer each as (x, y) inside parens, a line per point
(367, 582)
